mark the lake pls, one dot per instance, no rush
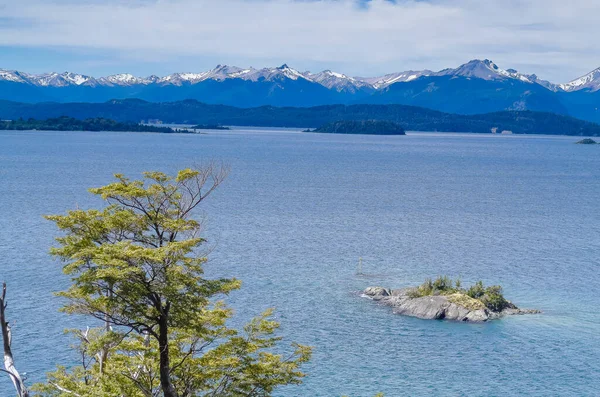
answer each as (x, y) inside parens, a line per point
(297, 213)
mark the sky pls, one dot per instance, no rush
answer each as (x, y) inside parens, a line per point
(555, 39)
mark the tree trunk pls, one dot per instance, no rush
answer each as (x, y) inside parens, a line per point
(9, 364)
(165, 362)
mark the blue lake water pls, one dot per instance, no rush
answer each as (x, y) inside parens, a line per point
(297, 212)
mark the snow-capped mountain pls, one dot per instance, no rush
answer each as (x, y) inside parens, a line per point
(123, 79)
(337, 81)
(544, 83)
(488, 70)
(392, 78)
(590, 81)
(219, 73)
(14, 76)
(479, 69)
(478, 86)
(271, 74)
(60, 80)
(485, 70)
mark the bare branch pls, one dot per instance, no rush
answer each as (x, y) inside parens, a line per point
(62, 389)
(9, 364)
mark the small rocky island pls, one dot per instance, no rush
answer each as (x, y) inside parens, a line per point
(587, 141)
(444, 299)
(366, 127)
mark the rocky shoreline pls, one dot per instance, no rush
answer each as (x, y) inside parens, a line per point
(453, 307)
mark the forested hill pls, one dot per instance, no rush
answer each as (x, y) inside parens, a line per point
(409, 117)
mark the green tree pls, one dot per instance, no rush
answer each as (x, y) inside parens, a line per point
(135, 267)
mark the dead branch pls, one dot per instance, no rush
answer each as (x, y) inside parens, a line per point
(9, 364)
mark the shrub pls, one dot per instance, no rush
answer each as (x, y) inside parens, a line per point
(493, 299)
(443, 284)
(477, 290)
(476, 297)
(424, 289)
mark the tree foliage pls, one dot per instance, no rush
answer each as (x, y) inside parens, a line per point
(136, 268)
(491, 297)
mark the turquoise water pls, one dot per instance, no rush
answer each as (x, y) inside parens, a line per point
(299, 210)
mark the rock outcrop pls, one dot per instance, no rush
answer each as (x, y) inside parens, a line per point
(455, 307)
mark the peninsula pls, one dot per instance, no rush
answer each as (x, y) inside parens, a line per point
(444, 299)
(65, 123)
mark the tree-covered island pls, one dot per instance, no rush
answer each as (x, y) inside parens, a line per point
(366, 127)
(587, 141)
(209, 127)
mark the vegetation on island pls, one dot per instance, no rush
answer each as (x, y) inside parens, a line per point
(65, 123)
(587, 141)
(410, 117)
(209, 127)
(475, 297)
(367, 127)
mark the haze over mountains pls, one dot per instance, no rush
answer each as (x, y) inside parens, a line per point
(478, 86)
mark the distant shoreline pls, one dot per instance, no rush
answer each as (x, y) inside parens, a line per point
(410, 118)
(294, 130)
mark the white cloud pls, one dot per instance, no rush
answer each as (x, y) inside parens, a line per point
(554, 38)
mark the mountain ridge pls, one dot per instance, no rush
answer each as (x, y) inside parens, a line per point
(484, 69)
(478, 86)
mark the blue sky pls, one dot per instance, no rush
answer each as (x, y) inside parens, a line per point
(555, 39)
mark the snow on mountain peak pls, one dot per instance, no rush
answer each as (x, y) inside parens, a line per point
(13, 76)
(392, 78)
(290, 73)
(488, 70)
(338, 81)
(590, 81)
(222, 72)
(338, 75)
(123, 79)
(479, 69)
(77, 79)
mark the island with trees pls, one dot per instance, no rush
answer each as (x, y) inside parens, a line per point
(587, 141)
(209, 127)
(65, 123)
(366, 127)
(444, 299)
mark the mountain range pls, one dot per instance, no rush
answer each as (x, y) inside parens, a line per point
(478, 86)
